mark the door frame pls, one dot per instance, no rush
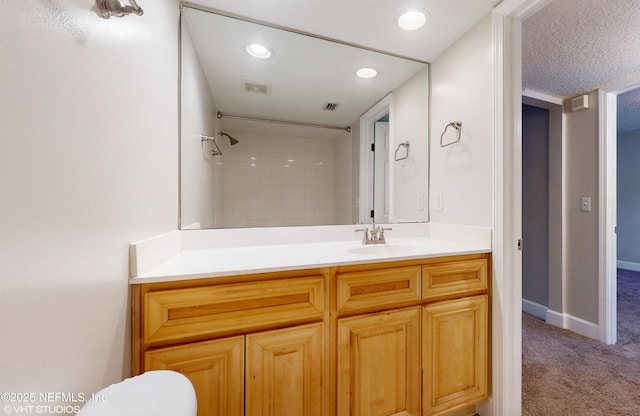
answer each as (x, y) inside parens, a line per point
(553, 312)
(507, 20)
(507, 301)
(381, 163)
(607, 194)
(367, 121)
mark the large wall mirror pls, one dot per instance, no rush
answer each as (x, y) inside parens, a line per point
(277, 128)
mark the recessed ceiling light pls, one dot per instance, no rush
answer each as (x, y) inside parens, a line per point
(366, 73)
(412, 19)
(258, 51)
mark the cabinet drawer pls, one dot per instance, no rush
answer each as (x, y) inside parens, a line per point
(454, 278)
(234, 308)
(366, 289)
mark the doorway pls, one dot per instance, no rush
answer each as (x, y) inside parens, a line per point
(535, 210)
(628, 172)
(368, 168)
(542, 208)
(381, 170)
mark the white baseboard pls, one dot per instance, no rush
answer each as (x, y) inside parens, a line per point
(577, 325)
(535, 309)
(580, 326)
(555, 318)
(627, 265)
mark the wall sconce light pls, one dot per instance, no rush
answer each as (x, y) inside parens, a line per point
(108, 8)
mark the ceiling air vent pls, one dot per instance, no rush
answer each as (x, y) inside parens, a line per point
(330, 106)
(248, 86)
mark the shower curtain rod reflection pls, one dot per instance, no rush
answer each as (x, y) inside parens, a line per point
(292, 123)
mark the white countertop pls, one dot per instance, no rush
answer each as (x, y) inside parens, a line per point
(226, 261)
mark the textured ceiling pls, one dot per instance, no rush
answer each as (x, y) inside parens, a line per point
(571, 47)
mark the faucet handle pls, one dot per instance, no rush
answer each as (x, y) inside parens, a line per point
(365, 236)
(381, 231)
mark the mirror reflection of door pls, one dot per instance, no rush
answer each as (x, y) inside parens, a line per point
(381, 171)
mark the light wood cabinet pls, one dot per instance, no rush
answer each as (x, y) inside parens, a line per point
(251, 345)
(412, 339)
(378, 361)
(281, 369)
(454, 353)
(454, 278)
(285, 372)
(215, 368)
(176, 314)
(403, 338)
(361, 290)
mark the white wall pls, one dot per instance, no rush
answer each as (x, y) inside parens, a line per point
(461, 90)
(199, 170)
(88, 164)
(409, 122)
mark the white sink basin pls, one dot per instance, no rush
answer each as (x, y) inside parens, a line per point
(385, 249)
(390, 248)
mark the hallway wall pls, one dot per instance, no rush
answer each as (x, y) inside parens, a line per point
(535, 204)
(582, 227)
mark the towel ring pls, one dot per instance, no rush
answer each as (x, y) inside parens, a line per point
(406, 146)
(456, 125)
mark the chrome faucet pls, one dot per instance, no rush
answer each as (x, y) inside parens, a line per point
(375, 235)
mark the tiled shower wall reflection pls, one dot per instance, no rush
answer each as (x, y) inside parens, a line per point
(276, 180)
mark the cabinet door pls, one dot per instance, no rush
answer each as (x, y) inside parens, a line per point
(216, 369)
(285, 372)
(455, 354)
(379, 364)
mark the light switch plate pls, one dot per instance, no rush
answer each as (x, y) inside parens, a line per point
(585, 204)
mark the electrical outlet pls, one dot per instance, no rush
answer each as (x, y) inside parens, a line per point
(437, 205)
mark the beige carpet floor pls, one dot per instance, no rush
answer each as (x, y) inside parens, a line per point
(566, 374)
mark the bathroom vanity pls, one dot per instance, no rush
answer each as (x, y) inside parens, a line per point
(386, 334)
